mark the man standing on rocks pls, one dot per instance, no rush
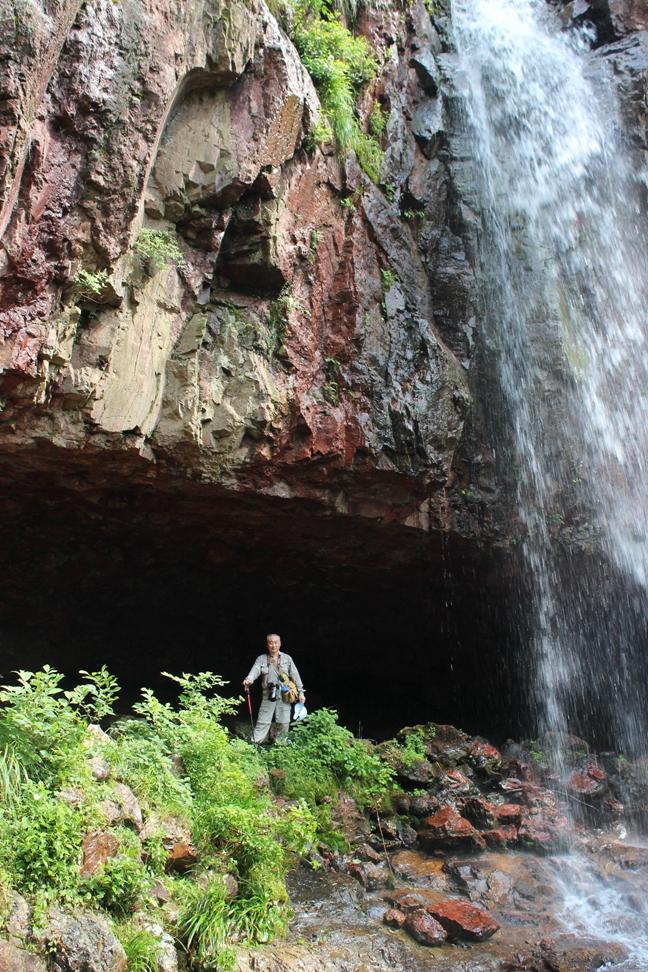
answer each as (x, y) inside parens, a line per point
(269, 667)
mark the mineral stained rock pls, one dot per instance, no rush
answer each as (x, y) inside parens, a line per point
(298, 348)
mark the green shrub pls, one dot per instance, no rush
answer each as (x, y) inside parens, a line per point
(117, 885)
(388, 278)
(339, 63)
(89, 284)
(204, 926)
(377, 120)
(323, 756)
(41, 728)
(141, 946)
(42, 844)
(159, 247)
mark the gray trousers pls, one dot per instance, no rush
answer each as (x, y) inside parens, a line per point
(280, 711)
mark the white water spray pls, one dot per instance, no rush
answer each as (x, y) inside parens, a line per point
(565, 287)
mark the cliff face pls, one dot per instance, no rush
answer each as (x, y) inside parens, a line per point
(314, 340)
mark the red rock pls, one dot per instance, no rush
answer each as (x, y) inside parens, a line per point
(394, 918)
(97, 848)
(502, 836)
(509, 813)
(425, 929)
(464, 920)
(583, 783)
(457, 778)
(181, 856)
(596, 772)
(409, 899)
(447, 826)
(478, 811)
(370, 876)
(484, 751)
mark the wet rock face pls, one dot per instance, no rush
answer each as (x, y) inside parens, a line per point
(303, 348)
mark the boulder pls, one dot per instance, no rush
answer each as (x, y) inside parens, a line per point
(181, 856)
(394, 918)
(424, 928)
(463, 920)
(82, 942)
(18, 923)
(98, 846)
(448, 828)
(370, 876)
(99, 768)
(577, 953)
(129, 804)
(14, 959)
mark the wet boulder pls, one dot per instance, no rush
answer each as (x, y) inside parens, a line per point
(572, 953)
(485, 759)
(447, 828)
(424, 928)
(370, 876)
(463, 920)
(394, 918)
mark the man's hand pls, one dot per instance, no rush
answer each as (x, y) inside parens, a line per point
(246, 682)
(302, 698)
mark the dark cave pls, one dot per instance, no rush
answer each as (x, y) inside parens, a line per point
(388, 625)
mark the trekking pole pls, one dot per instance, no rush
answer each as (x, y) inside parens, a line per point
(249, 702)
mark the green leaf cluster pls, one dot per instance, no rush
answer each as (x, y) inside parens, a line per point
(159, 248)
(339, 63)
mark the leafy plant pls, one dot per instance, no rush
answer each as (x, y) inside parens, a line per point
(377, 120)
(89, 284)
(388, 278)
(117, 885)
(339, 64)
(331, 392)
(141, 946)
(43, 843)
(323, 756)
(414, 748)
(412, 214)
(159, 247)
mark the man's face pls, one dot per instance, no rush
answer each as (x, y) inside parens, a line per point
(274, 644)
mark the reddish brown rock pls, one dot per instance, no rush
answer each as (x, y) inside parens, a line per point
(370, 876)
(502, 836)
(408, 899)
(181, 856)
(463, 920)
(394, 918)
(448, 827)
(509, 813)
(97, 848)
(572, 953)
(425, 929)
(589, 782)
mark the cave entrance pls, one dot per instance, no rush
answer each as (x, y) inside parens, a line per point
(388, 625)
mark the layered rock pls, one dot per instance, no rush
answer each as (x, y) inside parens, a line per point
(304, 348)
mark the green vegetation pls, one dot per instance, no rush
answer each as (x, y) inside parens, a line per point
(339, 63)
(377, 120)
(141, 947)
(388, 278)
(188, 775)
(159, 247)
(278, 317)
(89, 284)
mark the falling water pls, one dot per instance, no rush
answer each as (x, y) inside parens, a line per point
(565, 289)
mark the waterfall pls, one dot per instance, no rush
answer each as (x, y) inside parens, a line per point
(564, 281)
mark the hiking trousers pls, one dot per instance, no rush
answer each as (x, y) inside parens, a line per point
(280, 711)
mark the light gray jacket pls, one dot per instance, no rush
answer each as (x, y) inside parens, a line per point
(269, 671)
